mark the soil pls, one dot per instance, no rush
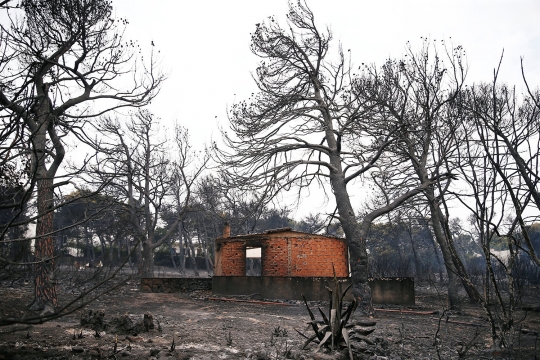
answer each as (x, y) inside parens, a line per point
(196, 326)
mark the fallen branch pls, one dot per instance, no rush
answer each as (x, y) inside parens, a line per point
(409, 311)
(251, 301)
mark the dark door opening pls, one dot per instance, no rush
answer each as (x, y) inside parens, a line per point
(253, 261)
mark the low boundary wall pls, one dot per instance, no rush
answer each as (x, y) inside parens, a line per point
(276, 287)
(398, 291)
(175, 285)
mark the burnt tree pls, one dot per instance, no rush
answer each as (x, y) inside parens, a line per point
(147, 177)
(306, 126)
(419, 95)
(60, 65)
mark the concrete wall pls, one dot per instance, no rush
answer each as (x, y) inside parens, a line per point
(175, 285)
(287, 253)
(276, 287)
(398, 291)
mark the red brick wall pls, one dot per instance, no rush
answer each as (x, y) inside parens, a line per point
(287, 254)
(233, 259)
(315, 256)
(274, 259)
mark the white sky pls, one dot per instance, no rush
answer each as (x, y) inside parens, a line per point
(204, 45)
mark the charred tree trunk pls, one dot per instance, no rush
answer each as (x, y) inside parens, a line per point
(417, 262)
(90, 254)
(140, 259)
(437, 257)
(128, 250)
(206, 249)
(171, 251)
(472, 291)
(209, 263)
(455, 268)
(192, 254)
(103, 247)
(356, 239)
(181, 250)
(45, 287)
(111, 241)
(453, 277)
(147, 259)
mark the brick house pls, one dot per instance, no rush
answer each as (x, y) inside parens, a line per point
(292, 263)
(284, 252)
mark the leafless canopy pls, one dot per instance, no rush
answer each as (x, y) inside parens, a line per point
(62, 64)
(58, 58)
(305, 123)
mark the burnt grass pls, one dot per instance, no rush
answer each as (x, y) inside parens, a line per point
(197, 326)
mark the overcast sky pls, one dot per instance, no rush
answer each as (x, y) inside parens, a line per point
(204, 45)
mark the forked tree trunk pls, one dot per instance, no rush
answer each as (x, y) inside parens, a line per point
(45, 289)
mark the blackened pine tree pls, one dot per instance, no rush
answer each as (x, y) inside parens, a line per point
(305, 126)
(60, 67)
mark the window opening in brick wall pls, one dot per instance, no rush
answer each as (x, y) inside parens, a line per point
(253, 261)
